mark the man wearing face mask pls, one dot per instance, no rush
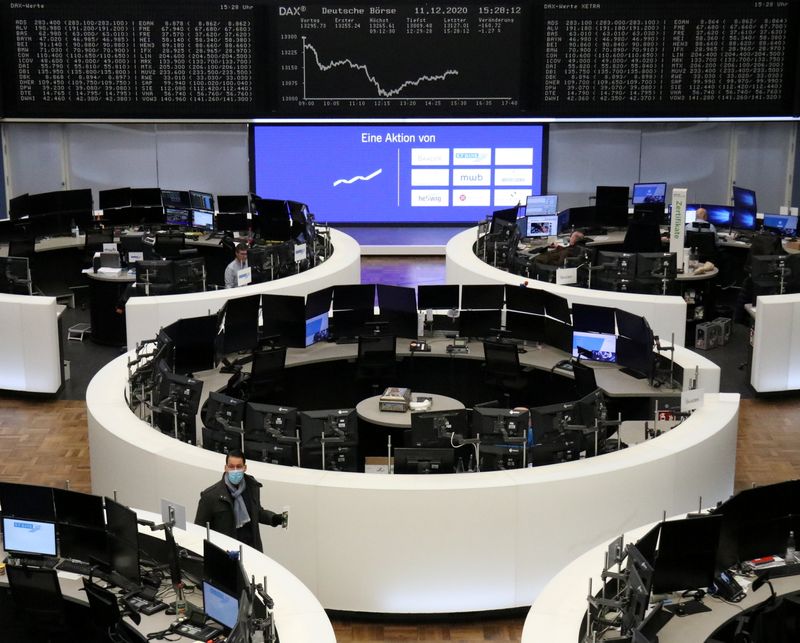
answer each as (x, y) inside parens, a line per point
(232, 506)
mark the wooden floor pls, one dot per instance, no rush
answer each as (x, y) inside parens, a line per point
(45, 442)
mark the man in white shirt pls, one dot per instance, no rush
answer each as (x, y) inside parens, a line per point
(233, 268)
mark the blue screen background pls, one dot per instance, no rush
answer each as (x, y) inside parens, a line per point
(302, 163)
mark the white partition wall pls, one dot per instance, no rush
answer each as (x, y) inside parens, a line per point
(427, 544)
(146, 315)
(665, 314)
(776, 344)
(30, 359)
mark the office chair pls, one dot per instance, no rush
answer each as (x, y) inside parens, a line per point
(705, 242)
(585, 380)
(763, 244)
(502, 369)
(266, 374)
(37, 595)
(377, 361)
(642, 237)
(170, 245)
(94, 241)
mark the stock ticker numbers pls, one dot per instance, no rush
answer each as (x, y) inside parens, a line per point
(130, 59)
(400, 59)
(677, 58)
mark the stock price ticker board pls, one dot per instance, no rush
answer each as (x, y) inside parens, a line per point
(400, 58)
(119, 59)
(266, 58)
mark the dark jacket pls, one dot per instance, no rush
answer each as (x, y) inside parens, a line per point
(216, 507)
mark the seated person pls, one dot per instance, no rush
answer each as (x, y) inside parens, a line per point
(701, 224)
(236, 265)
(554, 254)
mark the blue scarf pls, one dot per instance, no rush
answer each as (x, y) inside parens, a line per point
(239, 508)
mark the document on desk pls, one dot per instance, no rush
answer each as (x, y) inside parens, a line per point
(109, 271)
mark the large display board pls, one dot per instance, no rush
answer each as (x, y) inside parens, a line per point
(267, 58)
(128, 59)
(398, 172)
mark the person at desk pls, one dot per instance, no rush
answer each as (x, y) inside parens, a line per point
(232, 506)
(701, 224)
(233, 268)
(554, 255)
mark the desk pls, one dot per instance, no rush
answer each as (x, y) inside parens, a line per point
(557, 613)
(146, 315)
(665, 314)
(354, 536)
(776, 344)
(368, 410)
(299, 617)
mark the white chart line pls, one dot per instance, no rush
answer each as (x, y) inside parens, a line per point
(382, 93)
(358, 178)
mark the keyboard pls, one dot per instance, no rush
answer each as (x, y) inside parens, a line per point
(74, 567)
(197, 632)
(42, 563)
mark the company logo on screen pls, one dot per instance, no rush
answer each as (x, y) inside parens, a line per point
(476, 156)
(472, 198)
(430, 156)
(27, 525)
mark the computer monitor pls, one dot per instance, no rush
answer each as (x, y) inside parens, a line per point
(537, 204)
(27, 501)
(657, 265)
(438, 297)
(621, 264)
(597, 347)
(557, 307)
(121, 522)
(240, 320)
(435, 428)
(154, 271)
(783, 224)
(424, 460)
(482, 297)
(595, 319)
(720, 216)
(495, 424)
(29, 537)
(178, 218)
(334, 424)
(525, 300)
(540, 226)
(234, 204)
(354, 297)
(193, 343)
(123, 556)
(116, 198)
(76, 508)
(558, 334)
(647, 544)
(501, 457)
(649, 193)
(317, 329)
(269, 420)
(633, 327)
(611, 204)
(145, 198)
(88, 544)
(398, 308)
(744, 209)
(178, 199)
(201, 201)
(479, 323)
(524, 326)
(283, 316)
(19, 207)
(232, 221)
(203, 220)
(687, 554)
(222, 420)
(502, 218)
(220, 606)
(635, 358)
(178, 392)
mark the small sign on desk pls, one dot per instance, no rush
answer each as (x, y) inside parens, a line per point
(244, 276)
(565, 276)
(692, 400)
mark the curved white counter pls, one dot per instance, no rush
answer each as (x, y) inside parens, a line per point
(665, 314)
(299, 617)
(775, 366)
(427, 544)
(145, 316)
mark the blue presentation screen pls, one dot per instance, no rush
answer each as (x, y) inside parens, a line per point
(399, 173)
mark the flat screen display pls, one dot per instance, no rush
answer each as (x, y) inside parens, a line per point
(24, 536)
(720, 215)
(602, 346)
(542, 204)
(541, 226)
(203, 219)
(649, 193)
(744, 209)
(317, 329)
(786, 224)
(221, 607)
(400, 173)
